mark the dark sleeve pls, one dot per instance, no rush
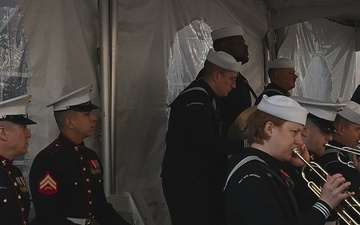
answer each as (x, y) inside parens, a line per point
(253, 197)
(204, 132)
(46, 206)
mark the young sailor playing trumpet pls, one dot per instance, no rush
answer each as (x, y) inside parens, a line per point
(258, 191)
(318, 131)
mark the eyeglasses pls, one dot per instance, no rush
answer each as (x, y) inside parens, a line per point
(232, 79)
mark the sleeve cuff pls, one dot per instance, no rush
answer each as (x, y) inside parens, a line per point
(323, 207)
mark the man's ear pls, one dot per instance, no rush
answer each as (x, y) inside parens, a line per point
(69, 123)
(305, 131)
(268, 129)
(340, 129)
(3, 134)
(217, 75)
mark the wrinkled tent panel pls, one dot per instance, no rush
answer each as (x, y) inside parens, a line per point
(326, 70)
(63, 39)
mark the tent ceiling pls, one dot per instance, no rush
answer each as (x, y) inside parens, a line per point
(286, 12)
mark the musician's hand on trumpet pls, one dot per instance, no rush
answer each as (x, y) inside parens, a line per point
(303, 150)
(334, 190)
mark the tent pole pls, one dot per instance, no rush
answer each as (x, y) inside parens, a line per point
(105, 91)
(114, 30)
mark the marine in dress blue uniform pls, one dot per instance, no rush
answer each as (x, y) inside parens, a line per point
(14, 194)
(66, 177)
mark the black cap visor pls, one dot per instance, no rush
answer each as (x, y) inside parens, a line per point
(18, 119)
(83, 107)
(325, 125)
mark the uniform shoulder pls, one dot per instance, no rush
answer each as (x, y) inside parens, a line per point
(50, 149)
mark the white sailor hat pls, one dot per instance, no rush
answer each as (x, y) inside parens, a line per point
(283, 107)
(351, 112)
(281, 63)
(227, 32)
(321, 113)
(223, 60)
(78, 100)
(15, 110)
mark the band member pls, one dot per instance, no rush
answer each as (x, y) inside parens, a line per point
(258, 191)
(318, 131)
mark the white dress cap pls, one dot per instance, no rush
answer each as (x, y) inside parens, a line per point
(323, 110)
(283, 107)
(351, 112)
(15, 110)
(223, 60)
(78, 100)
(227, 32)
(281, 63)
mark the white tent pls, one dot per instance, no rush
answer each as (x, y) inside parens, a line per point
(138, 54)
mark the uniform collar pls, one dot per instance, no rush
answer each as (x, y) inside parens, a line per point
(69, 143)
(5, 162)
(271, 161)
(274, 86)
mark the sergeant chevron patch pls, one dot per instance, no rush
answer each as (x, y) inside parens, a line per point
(47, 185)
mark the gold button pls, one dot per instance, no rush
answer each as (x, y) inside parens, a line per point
(19, 196)
(99, 181)
(84, 168)
(57, 145)
(81, 158)
(5, 200)
(89, 191)
(90, 202)
(9, 172)
(76, 183)
(24, 222)
(87, 180)
(15, 184)
(22, 209)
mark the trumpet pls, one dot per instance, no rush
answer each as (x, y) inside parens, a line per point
(354, 151)
(349, 203)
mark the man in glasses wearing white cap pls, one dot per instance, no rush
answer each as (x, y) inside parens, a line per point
(195, 160)
(231, 40)
(14, 137)
(282, 77)
(66, 177)
(317, 132)
(257, 189)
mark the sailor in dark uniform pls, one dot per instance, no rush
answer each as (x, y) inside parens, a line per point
(195, 160)
(318, 131)
(258, 190)
(282, 77)
(231, 40)
(347, 124)
(14, 136)
(66, 177)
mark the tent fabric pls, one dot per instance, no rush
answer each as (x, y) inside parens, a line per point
(62, 56)
(157, 42)
(326, 71)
